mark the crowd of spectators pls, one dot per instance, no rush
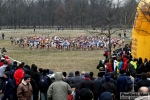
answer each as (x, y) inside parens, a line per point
(118, 73)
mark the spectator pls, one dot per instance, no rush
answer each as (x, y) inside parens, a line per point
(106, 96)
(82, 74)
(143, 89)
(40, 71)
(101, 66)
(108, 87)
(64, 75)
(58, 90)
(35, 75)
(121, 81)
(2, 70)
(8, 87)
(76, 80)
(44, 83)
(24, 90)
(132, 79)
(3, 35)
(85, 94)
(87, 83)
(72, 95)
(2, 61)
(91, 76)
(142, 82)
(68, 79)
(131, 68)
(108, 66)
(96, 83)
(19, 74)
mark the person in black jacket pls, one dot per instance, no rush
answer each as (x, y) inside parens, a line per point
(108, 87)
(96, 83)
(44, 84)
(68, 79)
(142, 82)
(76, 80)
(91, 76)
(35, 75)
(87, 83)
(8, 87)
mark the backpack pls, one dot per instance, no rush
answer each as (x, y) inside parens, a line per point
(128, 84)
(43, 81)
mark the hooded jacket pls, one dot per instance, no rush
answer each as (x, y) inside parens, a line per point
(58, 90)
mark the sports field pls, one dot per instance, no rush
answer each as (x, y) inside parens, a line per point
(54, 59)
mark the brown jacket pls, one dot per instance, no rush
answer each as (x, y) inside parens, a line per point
(24, 91)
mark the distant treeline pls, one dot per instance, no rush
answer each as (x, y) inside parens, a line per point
(66, 13)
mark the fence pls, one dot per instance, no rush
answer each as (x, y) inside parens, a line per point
(60, 31)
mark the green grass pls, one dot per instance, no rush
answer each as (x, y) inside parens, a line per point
(54, 59)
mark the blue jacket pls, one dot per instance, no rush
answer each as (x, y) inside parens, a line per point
(8, 86)
(121, 81)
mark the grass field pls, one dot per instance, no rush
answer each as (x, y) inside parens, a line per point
(54, 59)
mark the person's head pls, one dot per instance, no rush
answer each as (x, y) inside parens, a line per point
(107, 78)
(14, 63)
(44, 72)
(20, 66)
(40, 70)
(58, 76)
(34, 67)
(127, 73)
(70, 74)
(6, 74)
(143, 76)
(83, 73)
(27, 66)
(106, 96)
(27, 78)
(64, 74)
(91, 74)
(86, 75)
(22, 63)
(73, 87)
(77, 73)
(143, 89)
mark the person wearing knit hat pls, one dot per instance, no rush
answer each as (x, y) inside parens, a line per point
(107, 79)
(24, 90)
(87, 83)
(8, 87)
(108, 86)
(26, 77)
(106, 96)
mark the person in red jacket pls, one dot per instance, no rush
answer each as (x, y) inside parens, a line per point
(19, 74)
(2, 61)
(125, 64)
(7, 59)
(108, 66)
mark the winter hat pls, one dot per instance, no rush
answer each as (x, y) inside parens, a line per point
(86, 75)
(107, 79)
(7, 73)
(71, 74)
(106, 96)
(26, 77)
